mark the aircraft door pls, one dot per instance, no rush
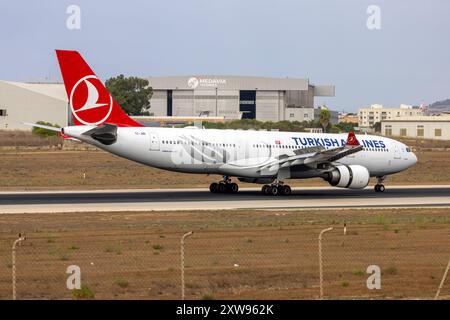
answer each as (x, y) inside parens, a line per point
(397, 154)
(154, 141)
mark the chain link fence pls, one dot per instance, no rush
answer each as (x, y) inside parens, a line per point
(239, 257)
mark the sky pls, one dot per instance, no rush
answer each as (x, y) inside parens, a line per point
(405, 60)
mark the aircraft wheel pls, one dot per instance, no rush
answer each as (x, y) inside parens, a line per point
(213, 187)
(286, 190)
(234, 188)
(222, 187)
(379, 188)
(280, 190)
(274, 190)
(263, 189)
(266, 189)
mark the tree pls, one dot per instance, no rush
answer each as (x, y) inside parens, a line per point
(346, 126)
(44, 132)
(131, 93)
(325, 117)
(377, 126)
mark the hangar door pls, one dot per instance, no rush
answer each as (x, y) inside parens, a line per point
(247, 104)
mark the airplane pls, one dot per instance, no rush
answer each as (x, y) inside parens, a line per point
(261, 157)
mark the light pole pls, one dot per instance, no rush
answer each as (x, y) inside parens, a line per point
(182, 262)
(18, 241)
(320, 260)
(216, 104)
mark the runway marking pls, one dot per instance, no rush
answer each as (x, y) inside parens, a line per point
(200, 199)
(171, 190)
(266, 204)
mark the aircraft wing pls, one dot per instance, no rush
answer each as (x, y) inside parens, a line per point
(314, 155)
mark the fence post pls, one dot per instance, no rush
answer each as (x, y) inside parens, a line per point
(20, 239)
(320, 260)
(442, 281)
(182, 262)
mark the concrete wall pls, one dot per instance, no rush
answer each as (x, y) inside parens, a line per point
(24, 105)
(183, 103)
(299, 114)
(158, 103)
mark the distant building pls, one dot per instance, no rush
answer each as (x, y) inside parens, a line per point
(314, 130)
(426, 127)
(349, 118)
(367, 117)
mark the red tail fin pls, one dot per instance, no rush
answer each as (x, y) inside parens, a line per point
(351, 140)
(89, 100)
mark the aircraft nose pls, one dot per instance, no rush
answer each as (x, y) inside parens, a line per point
(413, 159)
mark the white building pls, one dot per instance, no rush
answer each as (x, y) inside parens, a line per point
(367, 117)
(426, 127)
(31, 102)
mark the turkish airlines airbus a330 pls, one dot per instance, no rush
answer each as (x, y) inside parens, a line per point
(268, 158)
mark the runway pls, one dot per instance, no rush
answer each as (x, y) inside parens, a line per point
(202, 199)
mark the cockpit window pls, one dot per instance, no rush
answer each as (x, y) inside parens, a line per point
(408, 149)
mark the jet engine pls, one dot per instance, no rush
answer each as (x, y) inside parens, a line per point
(353, 177)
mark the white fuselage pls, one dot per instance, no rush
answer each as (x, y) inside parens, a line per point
(242, 153)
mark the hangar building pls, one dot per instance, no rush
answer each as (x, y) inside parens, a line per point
(228, 97)
(236, 97)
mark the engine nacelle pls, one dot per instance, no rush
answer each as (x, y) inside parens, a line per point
(353, 177)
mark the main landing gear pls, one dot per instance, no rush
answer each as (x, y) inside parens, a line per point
(224, 186)
(276, 189)
(379, 187)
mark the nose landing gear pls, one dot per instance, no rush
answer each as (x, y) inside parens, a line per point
(379, 187)
(224, 186)
(276, 189)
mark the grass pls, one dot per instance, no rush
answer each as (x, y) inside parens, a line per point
(64, 257)
(29, 170)
(83, 293)
(392, 270)
(289, 267)
(208, 296)
(358, 272)
(122, 283)
(110, 249)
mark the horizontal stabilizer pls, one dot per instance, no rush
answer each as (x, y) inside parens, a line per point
(42, 126)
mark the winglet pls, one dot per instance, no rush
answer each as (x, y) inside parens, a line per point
(351, 140)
